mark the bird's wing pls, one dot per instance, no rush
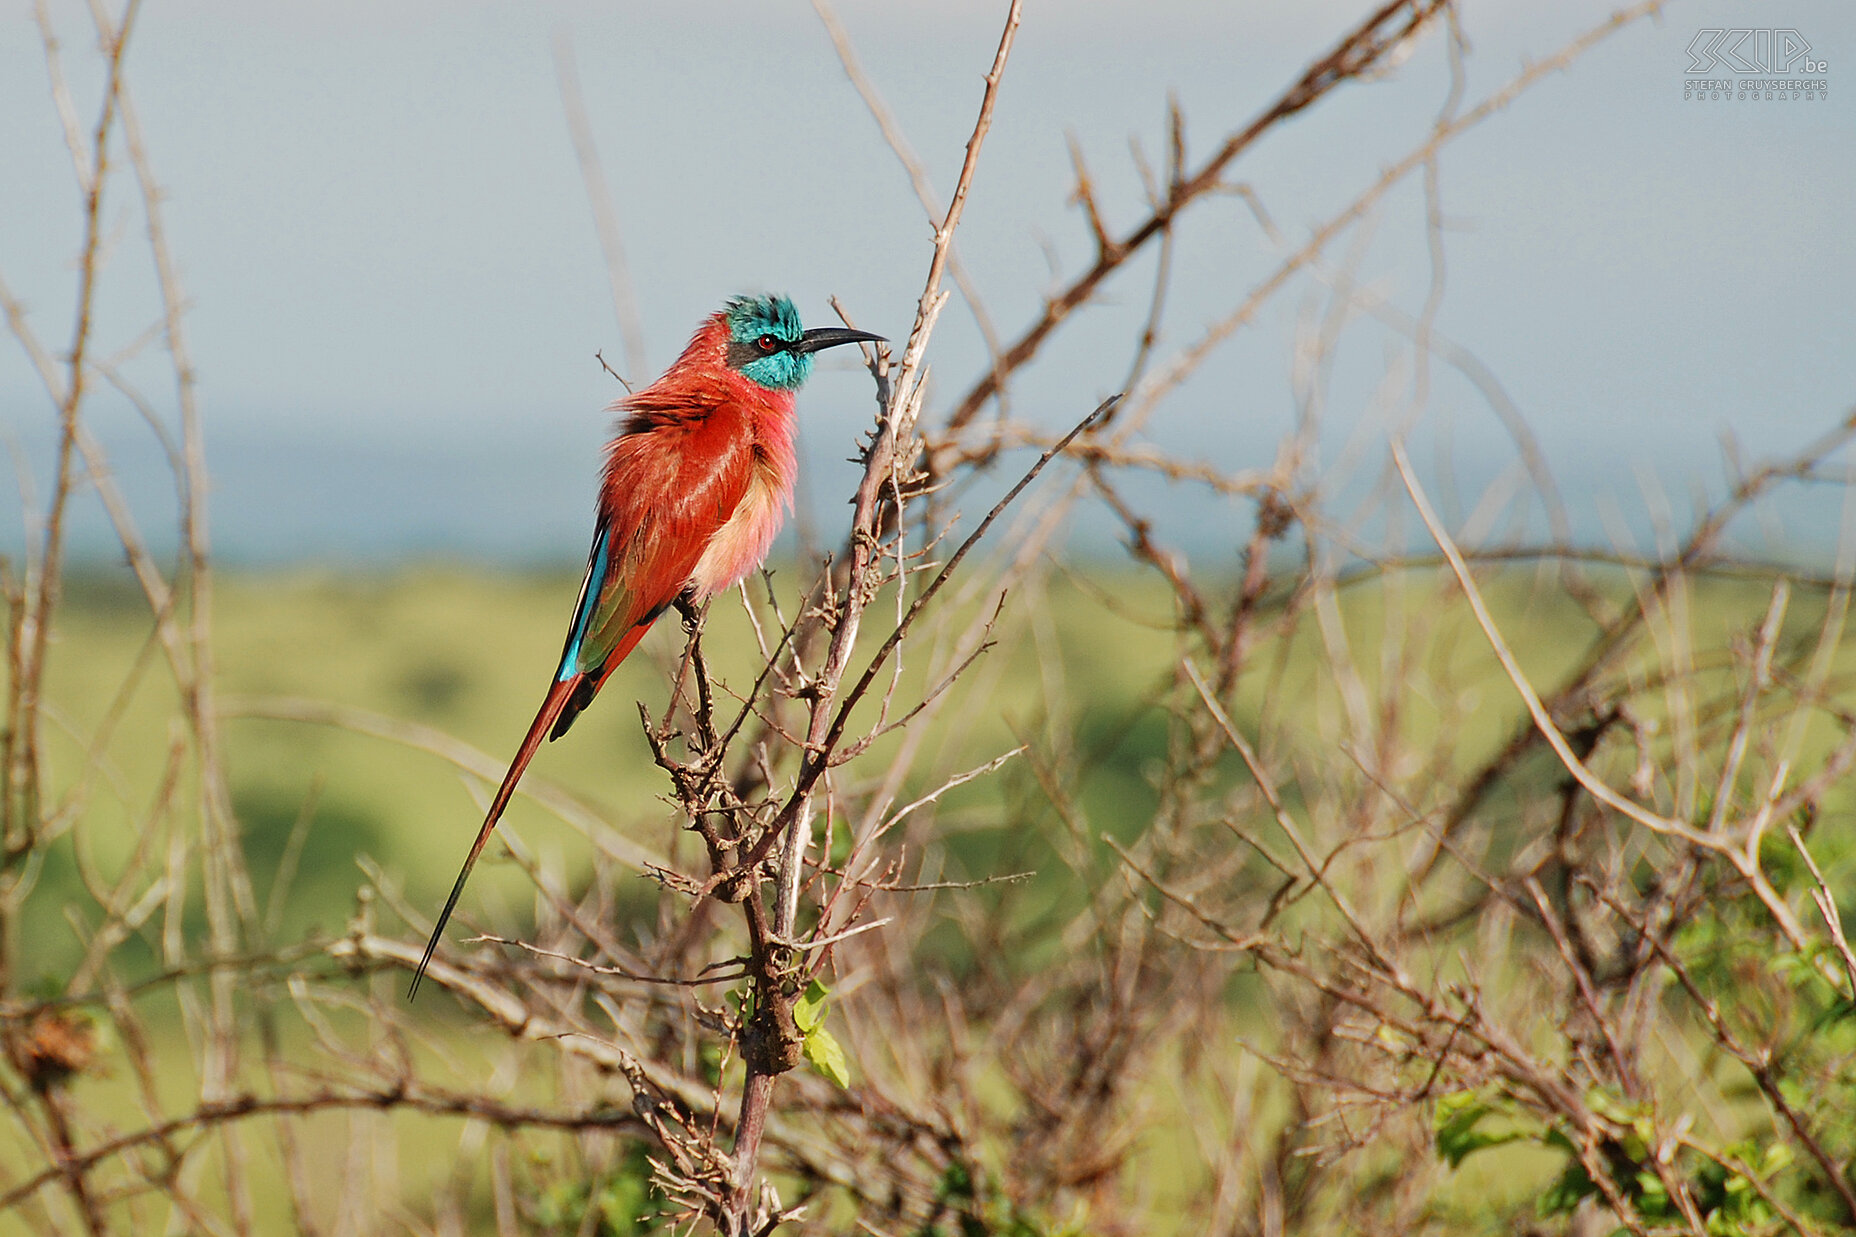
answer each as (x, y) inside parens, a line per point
(665, 497)
(591, 586)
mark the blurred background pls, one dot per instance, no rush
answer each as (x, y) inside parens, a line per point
(396, 289)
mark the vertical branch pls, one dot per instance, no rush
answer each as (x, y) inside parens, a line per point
(928, 308)
(605, 215)
(231, 907)
(31, 630)
(918, 174)
(880, 461)
(771, 1046)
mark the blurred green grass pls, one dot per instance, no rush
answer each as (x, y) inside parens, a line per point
(1080, 663)
(1083, 667)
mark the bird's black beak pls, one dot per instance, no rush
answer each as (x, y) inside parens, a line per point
(821, 337)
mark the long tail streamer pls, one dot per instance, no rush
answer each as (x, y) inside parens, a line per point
(558, 695)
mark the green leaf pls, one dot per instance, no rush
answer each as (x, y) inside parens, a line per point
(1565, 1194)
(826, 1055)
(809, 1009)
(1778, 1156)
(1454, 1127)
(822, 1050)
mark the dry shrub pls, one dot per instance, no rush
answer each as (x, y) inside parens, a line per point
(1482, 887)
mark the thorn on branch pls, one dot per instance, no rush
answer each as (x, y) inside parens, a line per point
(1107, 248)
(597, 356)
(1275, 516)
(1176, 147)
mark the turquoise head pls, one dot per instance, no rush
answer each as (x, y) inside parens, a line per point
(767, 344)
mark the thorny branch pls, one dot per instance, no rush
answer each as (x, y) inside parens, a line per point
(1380, 35)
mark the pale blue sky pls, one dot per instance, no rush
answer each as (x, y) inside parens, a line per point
(397, 288)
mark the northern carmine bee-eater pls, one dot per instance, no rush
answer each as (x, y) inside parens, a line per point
(696, 485)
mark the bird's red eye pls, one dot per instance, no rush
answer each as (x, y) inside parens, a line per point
(768, 344)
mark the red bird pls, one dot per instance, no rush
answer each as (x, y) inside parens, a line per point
(696, 485)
